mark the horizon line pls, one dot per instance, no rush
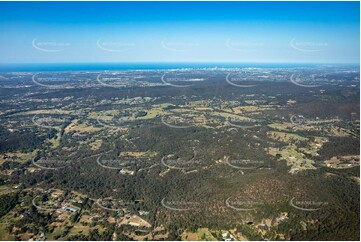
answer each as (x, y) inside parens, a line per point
(179, 62)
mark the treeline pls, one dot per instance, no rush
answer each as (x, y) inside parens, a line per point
(339, 146)
(22, 140)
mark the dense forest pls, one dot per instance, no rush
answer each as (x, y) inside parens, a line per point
(202, 187)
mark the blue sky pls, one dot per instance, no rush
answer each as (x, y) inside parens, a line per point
(286, 32)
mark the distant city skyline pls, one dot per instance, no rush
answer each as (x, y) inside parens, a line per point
(174, 32)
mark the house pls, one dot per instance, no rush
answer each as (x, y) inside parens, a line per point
(70, 209)
(263, 227)
(227, 236)
(141, 212)
(124, 172)
(42, 236)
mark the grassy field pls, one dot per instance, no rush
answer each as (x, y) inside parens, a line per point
(285, 137)
(58, 231)
(79, 229)
(18, 156)
(152, 113)
(296, 160)
(96, 144)
(80, 127)
(294, 156)
(4, 236)
(200, 234)
(138, 154)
